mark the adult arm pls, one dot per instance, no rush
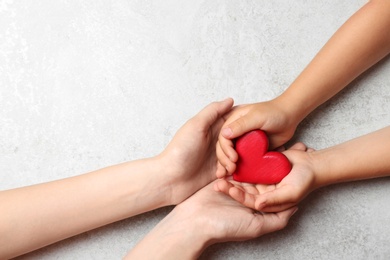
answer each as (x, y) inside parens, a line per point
(35, 216)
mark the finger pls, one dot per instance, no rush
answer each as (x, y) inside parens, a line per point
(227, 147)
(229, 166)
(278, 208)
(221, 171)
(241, 125)
(213, 111)
(250, 188)
(310, 150)
(276, 221)
(230, 116)
(222, 186)
(298, 146)
(247, 199)
(276, 140)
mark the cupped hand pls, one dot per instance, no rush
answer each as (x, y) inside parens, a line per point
(206, 218)
(270, 116)
(223, 219)
(278, 197)
(189, 160)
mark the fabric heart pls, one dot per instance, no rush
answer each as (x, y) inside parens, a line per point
(255, 164)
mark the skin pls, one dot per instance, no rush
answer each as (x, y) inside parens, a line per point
(204, 219)
(361, 41)
(361, 158)
(186, 165)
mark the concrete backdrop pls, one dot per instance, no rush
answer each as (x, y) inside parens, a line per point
(87, 84)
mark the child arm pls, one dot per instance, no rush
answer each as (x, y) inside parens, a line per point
(361, 158)
(361, 41)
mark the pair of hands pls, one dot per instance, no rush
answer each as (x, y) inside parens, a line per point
(275, 118)
(191, 163)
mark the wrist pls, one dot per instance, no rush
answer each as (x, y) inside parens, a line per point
(357, 159)
(190, 229)
(296, 105)
(144, 181)
(292, 111)
(184, 236)
(162, 180)
(177, 236)
(168, 178)
(321, 168)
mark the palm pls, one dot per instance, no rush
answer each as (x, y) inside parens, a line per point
(229, 220)
(195, 149)
(273, 198)
(190, 156)
(292, 189)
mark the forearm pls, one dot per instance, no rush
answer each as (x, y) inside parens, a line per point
(63, 208)
(360, 43)
(172, 238)
(361, 158)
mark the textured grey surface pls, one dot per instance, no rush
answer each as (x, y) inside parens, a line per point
(86, 84)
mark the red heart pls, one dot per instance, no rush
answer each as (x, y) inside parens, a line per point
(255, 164)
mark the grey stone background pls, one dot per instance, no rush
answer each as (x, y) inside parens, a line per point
(86, 84)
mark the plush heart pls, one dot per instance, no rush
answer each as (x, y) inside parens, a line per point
(255, 164)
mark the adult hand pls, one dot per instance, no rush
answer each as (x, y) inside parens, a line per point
(160, 181)
(190, 161)
(206, 218)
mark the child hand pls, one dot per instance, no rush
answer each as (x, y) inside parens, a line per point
(273, 117)
(278, 197)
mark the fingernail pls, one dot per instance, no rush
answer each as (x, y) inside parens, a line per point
(227, 132)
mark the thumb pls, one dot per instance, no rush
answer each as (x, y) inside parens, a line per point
(241, 125)
(213, 111)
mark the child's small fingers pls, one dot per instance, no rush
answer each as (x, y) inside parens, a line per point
(231, 168)
(224, 160)
(242, 125)
(221, 171)
(227, 147)
(208, 115)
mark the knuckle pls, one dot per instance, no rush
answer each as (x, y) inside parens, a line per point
(239, 125)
